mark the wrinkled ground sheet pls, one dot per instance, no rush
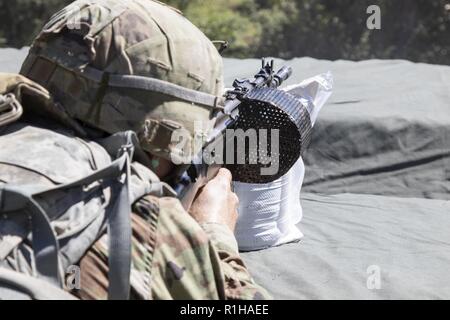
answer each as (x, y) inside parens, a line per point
(386, 129)
(350, 239)
(377, 187)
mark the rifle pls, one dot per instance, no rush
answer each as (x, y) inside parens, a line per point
(257, 99)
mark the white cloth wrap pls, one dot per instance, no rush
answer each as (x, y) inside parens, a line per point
(269, 213)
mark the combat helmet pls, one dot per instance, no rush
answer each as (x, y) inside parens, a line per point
(138, 65)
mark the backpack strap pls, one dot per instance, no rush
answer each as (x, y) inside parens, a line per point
(118, 222)
(45, 246)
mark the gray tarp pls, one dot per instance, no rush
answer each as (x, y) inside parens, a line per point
(350, 237)
(383, 137)
(386, 131)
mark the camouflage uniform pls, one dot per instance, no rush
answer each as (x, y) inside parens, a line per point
(173, 257)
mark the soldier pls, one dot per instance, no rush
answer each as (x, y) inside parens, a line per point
(98, 69)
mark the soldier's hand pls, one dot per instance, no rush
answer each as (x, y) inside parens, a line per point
(216, 202)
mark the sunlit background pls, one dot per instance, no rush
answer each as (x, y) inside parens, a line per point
(416, 30)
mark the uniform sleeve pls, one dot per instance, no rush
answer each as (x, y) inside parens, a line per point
(207, 256)
(173, 257)
(238, 283)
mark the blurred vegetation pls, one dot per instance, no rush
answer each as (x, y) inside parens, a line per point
(417, 30)
(21, 20)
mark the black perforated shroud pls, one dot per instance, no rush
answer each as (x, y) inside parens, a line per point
(269, 109)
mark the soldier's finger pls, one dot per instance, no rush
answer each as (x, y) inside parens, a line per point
(234, 199)
(224, 176)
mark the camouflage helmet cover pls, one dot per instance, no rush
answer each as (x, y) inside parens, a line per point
(87, 43)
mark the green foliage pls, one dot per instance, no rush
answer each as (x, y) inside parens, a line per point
(21, 20)
(415, 30)
(219, 21)
(330, 29)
